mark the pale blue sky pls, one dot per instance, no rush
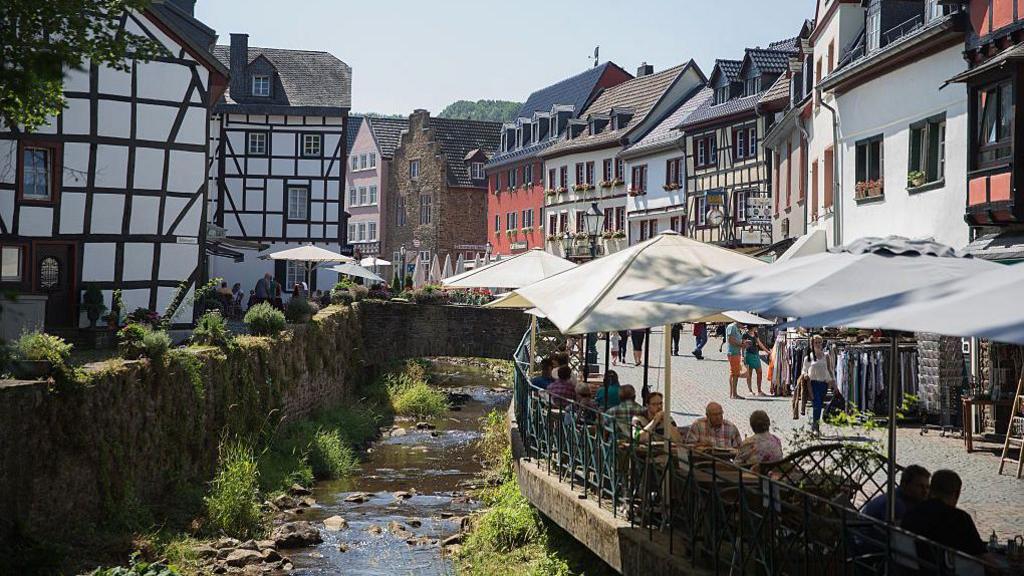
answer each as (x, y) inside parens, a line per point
(408, 54)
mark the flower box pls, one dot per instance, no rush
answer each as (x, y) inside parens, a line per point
(562, 190)
(552, 238)
(549, 192)
(617, 182)
(579, 187)
(588, 187)
(619, 234)
(869, 189)
(605, 183)
(636, 192)
(670, 187)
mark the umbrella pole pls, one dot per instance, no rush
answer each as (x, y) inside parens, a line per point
(647, 362)
(893, 396)
(666, 413)
(533, 341)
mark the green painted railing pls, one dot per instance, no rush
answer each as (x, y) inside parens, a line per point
(717, 515)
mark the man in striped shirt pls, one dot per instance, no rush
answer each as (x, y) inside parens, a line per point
(714, 430)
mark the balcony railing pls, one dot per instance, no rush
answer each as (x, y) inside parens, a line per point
(717, 515)
(901, 30)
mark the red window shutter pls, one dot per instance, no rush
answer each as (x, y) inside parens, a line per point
(814, 190)
(776, 191)
(789, 174)
(829, 169)
(803, 168)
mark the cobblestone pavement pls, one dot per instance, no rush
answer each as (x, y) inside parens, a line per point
(996, 502)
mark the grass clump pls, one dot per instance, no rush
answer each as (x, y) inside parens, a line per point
(264, 320)
(139, 340)
(233, 504)
(39, 346)
(410, 395)
(211, 330)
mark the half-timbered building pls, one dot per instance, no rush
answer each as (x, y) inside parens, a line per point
(281, 154)
(111, 191)
(727, 169)
(584, 167)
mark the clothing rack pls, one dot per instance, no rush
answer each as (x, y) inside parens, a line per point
(862, 377)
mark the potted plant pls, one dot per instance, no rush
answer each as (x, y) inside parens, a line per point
(607, 234)
(116, 307)
(617, 182)
(605, 184)
(915, 178)
(92, 303)
(562, 189)
(619, 234)
(37, 354)
(549, 192)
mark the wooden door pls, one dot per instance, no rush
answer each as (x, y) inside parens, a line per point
(53, 274)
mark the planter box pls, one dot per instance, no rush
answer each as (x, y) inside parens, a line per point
(31, 369)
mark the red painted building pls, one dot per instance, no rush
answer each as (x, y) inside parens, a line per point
(515, 174)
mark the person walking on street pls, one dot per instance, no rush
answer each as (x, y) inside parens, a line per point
(262, 290)
(677, 329)
(752, 348)
(637, 336)
(613, 344)
(623, 342)
(734, 351)
(700, 334)
(818, 371)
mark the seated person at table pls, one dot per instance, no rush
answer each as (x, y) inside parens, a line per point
(938, 519)
(626, 409)
(611, 380)
(651, 420)
(562, 390)
(761, 446)
(585, 406)
(913, 490)
(545, 379)
(714, 430)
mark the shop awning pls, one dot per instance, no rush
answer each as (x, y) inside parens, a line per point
(1010, 55)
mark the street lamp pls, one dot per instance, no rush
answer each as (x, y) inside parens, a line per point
(566, 243)
(488, 248)
(593, 219)
(402, 268)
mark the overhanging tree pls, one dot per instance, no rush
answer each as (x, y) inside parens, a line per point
(41, 39)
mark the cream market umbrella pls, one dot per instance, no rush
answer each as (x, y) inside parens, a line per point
(311, 256)
(516, 271)
(509, 300)
(863, 271)
(418, 274)
(446, 270)
(736, 316)
(373, 261)
(434, 277)
(357, 271)
(814, 243)
(460, 264)
(476, 260)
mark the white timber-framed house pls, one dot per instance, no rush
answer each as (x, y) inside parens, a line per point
(278, 174)
(111, 191)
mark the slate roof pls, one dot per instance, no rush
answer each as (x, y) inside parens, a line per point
(352, 130)
(708, 111)
(769, 61)
(731, 68)
(197, 35)
(639, 94)
(665, 132)
(310, 78)
(575, 90)
(458, 138)
(789, 44)
(388, 133)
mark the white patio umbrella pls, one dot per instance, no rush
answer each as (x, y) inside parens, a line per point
(419, 274)
(446, 270)
(312, 257)
(736, 316)
(460, 264)
(373, 261)
(476, 260)
(434, 274)
(357, 271)
(863, 271)
(814, 243)
(516, 271)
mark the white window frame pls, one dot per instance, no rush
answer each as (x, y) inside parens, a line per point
(414, 169)
(39, 174)
(424, 255)
(261, 85)
(361, 232)
(752, 142)
(294, 273)
(298, 210)
(362, 195)
(7, 252)
(476, 170)
(256, 144)
(362, 161)
(354, 163)
(373, 159)
(701, 210)
(741, 205)
(312, 145)
(373, 194)
(371, 231)
(351, 232)
(353, 196)
(426, 206)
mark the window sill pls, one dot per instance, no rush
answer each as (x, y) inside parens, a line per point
(941, 183)
(869, 199)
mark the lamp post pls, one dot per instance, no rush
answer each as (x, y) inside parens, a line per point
(567, 243)
(593, 219)
(488, 249)
(402, 269)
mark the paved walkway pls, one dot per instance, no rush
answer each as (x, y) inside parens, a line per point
(996, 502)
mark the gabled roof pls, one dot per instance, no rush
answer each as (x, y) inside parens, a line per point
(730, 68)
(777, 94)
(197, 36)
(665, 132)
(388, 133)
(639, 94)
(709, 111)
(768, 61)
(458, 138)
(352, 130)
(310, 78)
(789, 44)
(575, 90)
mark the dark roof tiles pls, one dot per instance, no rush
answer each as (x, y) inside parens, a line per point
(458, 138)
(731, 68)
(769, 61)
(388, 133)
(666, 130)
(709, 111)
(309, 78)
(352, 130)
(575, 90)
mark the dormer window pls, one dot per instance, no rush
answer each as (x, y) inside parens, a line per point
(476, 170)
(873, 27)
(752, 86)
(722, 94)
(260, 85)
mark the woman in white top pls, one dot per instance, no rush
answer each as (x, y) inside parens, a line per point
(817, 369)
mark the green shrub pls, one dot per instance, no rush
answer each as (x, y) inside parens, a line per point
(330, 457)
(138, 568)
(129, 340)
(39, 346)
(359, 292)
(414, 397)
(429, 294)
(511, 522)
(264, 320)
(211, 330)
(343, 297)
(344, 284)
(495, 446)
(155, 344)
(299, 310)
(233, 504)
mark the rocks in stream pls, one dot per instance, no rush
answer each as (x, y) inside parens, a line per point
(399, 531)
(425, 426)
(414, 523)
(229, 556)
(242, 557)
(358, 498)
(336, 524)
(299, 490)
(295, 535)
(405, 495)
(375, 530)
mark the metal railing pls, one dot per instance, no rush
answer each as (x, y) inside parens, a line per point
(717, 515)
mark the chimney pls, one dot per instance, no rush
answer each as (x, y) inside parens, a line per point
(186, 6)
(238, 63)
(420, 118)
(645, 69)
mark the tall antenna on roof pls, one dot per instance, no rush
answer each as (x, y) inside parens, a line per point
(597, 51)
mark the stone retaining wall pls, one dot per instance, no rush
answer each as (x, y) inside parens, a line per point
(71, 456)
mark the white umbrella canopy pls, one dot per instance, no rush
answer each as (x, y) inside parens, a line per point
(373, 261)
(868, 269)
(987, 305)
(809, 244)
(446, 270)
(476, 260)
(516, 271)
(356, 270)
(509, 300)
(586, 298)
(434, 276)
(736, 316)
(460, 264)
(308, 253)
(419, 274)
